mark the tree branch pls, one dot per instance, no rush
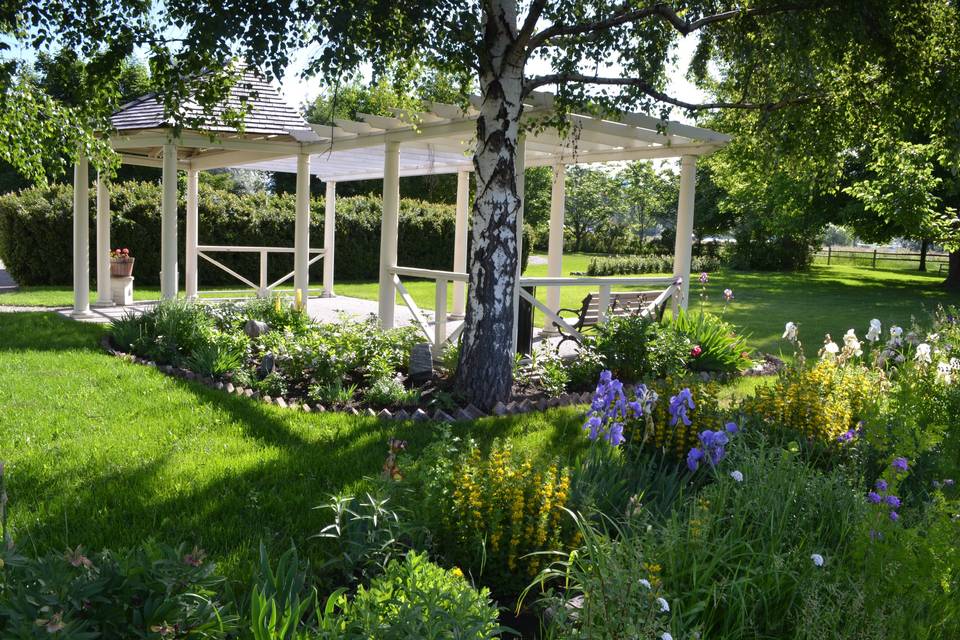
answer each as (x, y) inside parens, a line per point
(624, 15)
(647, 88)
(536, 10)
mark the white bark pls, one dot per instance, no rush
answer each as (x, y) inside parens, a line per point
(486, 352)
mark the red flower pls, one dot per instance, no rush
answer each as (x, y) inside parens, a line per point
(696, 351)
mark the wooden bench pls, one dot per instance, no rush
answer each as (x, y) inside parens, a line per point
(625, 303)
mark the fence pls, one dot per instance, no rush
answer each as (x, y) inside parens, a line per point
(879, 259)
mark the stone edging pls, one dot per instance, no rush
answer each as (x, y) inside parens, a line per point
(468, 412)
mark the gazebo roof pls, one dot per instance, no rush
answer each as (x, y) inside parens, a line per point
(438, 140)
(267, 114)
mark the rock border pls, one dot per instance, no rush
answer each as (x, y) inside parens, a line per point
(467, 412)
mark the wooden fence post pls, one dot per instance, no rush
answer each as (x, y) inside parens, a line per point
(874, 258)
(829, 251)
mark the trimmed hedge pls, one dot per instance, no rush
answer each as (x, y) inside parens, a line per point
(36, 233)
(617, 265)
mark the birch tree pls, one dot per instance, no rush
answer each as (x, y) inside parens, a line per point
(613, 55)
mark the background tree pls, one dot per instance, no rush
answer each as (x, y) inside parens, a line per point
(872, 138)
(650, 197)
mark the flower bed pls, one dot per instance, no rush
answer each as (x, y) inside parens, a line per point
(271, 349)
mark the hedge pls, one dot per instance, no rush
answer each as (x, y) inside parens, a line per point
(36, 233)
(618, 265)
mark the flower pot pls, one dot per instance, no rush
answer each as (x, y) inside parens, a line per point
(121, 268)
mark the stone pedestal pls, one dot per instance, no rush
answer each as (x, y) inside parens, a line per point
(121, 289)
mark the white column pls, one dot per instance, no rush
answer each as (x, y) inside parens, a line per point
(519, 168)
(558, 203)
(460, 243)
(104, 294)
(329, 238)
(192, 232)
(683, 249)
(81, 238)
(301, 243)
(388, 232)
(169, 280)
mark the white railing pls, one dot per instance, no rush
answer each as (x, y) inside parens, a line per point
(437, 337)
(264, 287)
(604, 286)
(437, 334)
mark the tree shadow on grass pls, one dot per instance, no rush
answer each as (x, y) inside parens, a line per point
(229, 500)
(45, 331)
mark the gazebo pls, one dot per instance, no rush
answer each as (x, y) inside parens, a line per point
(439, 140)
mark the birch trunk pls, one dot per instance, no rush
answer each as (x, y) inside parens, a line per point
(485, 370)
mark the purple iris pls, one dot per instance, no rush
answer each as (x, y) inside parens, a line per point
(900, 464)
(713, 445)
(874, 497)
(732, 428)
(893, 501)
(679, 405)
(615, 434)
(881, 485)
(609, 409)
(847, 436)
(593, 424)
(894, 516)
(694, 458)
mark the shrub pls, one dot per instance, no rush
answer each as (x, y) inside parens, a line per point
(757, 248)
(363, 538)
(43, 217)
(720, 347)
(218, 354)
(281, 605)
(738, 555)
(151, 592)
(388, 391)
(488, 512)
(621, 265)
(606, 589)
(415, 598)
(167, 333)
(636, 348)
(817, 403)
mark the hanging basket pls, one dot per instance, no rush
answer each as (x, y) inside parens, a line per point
(121, 268)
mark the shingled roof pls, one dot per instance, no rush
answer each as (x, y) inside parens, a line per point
(268, 113)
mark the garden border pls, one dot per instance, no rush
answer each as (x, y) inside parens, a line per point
(464, 413)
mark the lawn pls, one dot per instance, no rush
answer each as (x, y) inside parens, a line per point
(103, 453)
(827, 299)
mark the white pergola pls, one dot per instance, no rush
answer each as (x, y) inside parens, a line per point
(436, 141)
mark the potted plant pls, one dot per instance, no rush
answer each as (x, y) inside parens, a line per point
(121, 263)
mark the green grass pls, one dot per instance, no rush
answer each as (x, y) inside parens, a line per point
(827, 299)
(104, 453)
